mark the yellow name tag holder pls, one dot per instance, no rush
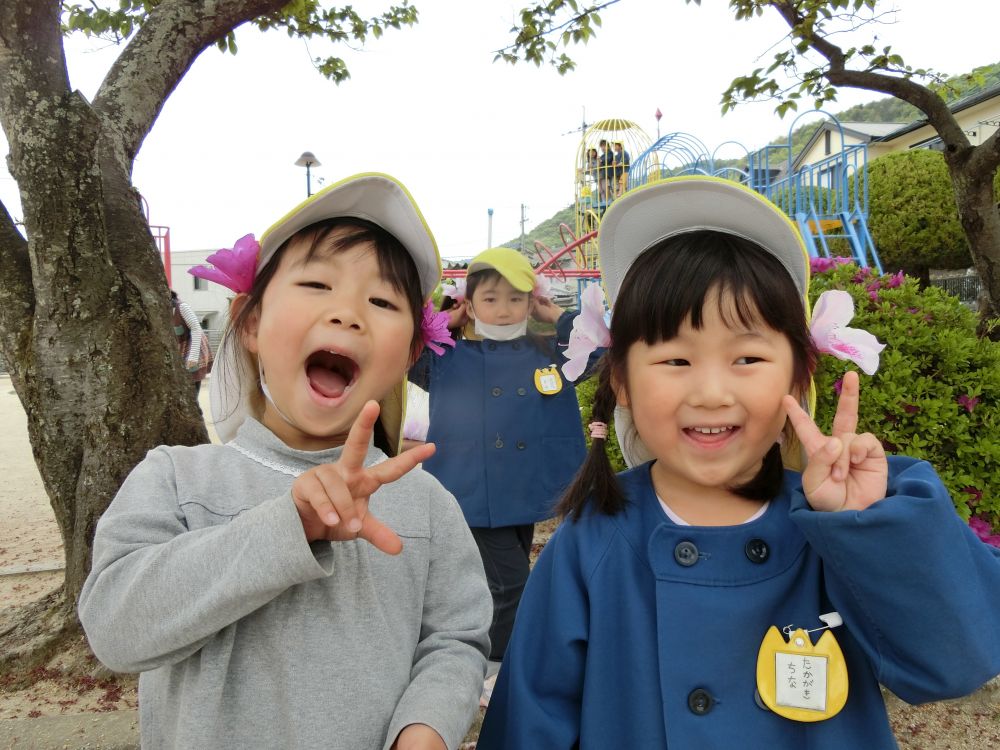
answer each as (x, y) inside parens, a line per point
(548, 381)
(801, 681)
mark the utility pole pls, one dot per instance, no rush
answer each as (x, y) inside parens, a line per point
(489, 229)
(524, 219)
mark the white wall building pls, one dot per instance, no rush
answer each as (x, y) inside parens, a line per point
(209, 300)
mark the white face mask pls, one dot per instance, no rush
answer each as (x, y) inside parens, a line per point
(501, 333)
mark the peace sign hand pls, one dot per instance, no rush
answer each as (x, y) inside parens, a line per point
(332, 499)
(846, 471)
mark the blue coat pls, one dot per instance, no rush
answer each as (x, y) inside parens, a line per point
(504, 450)
(614, 635)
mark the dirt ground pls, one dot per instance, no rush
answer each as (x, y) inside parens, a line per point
(30, 566)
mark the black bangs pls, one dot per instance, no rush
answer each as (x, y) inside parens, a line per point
(669, 283)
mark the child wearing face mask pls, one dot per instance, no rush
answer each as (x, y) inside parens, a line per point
(505, 420)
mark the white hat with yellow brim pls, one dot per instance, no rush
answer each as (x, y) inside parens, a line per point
(378, 198)
(652, 213)
(509, 263)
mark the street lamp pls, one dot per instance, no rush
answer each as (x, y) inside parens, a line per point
(307, 160)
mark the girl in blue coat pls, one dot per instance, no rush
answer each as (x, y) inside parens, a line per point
(709, 597)
(505, 421)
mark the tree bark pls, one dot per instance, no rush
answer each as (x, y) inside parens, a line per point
(972, 168)
(85, 323)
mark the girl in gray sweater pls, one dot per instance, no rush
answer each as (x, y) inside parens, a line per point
(301, 585)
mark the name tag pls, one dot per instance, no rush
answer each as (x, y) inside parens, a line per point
(548, 381)
(799, 680)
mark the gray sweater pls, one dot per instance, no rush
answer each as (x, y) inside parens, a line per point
(249, 637)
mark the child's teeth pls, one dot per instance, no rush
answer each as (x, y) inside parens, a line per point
(710, 430)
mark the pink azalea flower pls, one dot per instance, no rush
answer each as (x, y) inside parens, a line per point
(968, 402)
(233, 268)
(590, 331)
(976, 495)
(822, 265)
(838, 385)
(834, 310)
(861, 275)
(895, 280)
(434, 329)
(984, 532)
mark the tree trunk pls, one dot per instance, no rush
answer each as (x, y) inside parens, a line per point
(980, 217)
(85, 320)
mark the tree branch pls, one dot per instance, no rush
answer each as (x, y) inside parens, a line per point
(161, 52)
(933, 106)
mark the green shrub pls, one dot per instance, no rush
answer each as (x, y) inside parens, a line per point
(936, 394)
(913, 217)
(585, 395)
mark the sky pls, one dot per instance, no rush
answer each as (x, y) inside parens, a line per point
(428, 105)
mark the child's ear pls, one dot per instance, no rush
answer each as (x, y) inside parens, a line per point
(468, 309)
(619, 389)
(248, 331)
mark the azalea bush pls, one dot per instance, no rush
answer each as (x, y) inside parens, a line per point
(936, 394)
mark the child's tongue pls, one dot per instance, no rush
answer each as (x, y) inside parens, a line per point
(328, 383)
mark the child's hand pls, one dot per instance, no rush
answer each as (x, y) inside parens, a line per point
(545, 310)
(457, 316)
(332, 499)
(418, 737)
(846, 471)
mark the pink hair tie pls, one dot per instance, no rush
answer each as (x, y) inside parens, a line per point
(598, 430)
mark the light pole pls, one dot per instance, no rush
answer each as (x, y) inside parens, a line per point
(489, 228)
(307, 160)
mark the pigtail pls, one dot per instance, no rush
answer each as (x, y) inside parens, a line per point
(767, 482)
(595, 483)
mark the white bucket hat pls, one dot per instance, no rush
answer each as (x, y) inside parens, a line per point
(376, 197)
(651, 213)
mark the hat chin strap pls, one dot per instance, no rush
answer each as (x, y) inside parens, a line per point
(267, 395)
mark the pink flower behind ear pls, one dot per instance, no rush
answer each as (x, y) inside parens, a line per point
(455, 290)
(590, 331)
(434, 329)
(543, 286)
(833, 311)
(233, 268)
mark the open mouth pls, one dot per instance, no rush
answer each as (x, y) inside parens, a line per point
(711, 435)
(331, 375)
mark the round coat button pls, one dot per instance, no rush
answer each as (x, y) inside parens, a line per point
(492, 347)
(686, 554)
(521, 391)
(700, 701)
(498, 443)
(520, 445)
(496, 391)
(757, 551)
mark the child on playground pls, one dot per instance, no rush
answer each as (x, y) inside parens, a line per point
(506, 422)
(680, 603)
(301, 585)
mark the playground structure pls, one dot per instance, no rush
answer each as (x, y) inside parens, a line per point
(161, 236)
(827, 199)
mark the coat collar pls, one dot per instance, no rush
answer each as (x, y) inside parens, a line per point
(722, 556)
